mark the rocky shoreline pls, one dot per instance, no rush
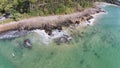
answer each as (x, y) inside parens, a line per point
(50, 23)
(57, 36)
(115, 2)
(51, 27)
(86, 20)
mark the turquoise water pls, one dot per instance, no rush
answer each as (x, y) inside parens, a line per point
(97, 47)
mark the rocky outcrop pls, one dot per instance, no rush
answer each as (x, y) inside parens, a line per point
(62, 39)
(50, 23)
(114, 2)
(27, 43)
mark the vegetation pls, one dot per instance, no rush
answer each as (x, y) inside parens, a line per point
(23, 8)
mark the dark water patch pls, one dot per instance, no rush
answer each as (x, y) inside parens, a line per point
(51, 55)
(86, 48)
(82, 61)
(97, 55)
(88, 66)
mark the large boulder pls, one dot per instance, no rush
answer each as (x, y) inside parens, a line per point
(27, 43)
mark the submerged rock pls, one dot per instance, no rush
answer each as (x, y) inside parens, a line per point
(96, 54)
(60, 37)
(82, 61)
(63, 39)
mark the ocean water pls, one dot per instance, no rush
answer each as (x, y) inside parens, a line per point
(97, 47)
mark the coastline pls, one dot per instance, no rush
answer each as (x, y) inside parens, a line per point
(58, 37)
(95, 46)
(103, 4)
(46, 39)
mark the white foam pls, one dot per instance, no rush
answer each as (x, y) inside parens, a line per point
(13, 55)
(57, 33)
(46, 39)
(102, 4)
(91, 21)
(12, 34)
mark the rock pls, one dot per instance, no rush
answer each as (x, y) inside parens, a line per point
(7, 15)
(89, 17)
(27, 43)
(77, 22)
(63, 39)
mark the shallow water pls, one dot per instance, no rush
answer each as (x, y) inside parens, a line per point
(97, 47)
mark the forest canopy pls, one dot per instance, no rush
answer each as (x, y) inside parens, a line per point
(44, 7)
